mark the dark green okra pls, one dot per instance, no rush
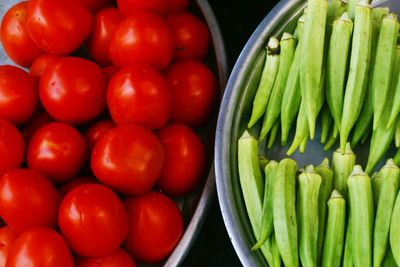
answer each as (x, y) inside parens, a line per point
(395, 230)
(273, 134)
(333, 138)
(326, 119)
(273, 256)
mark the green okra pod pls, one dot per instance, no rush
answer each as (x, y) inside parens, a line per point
(273, 256)
(311, 60)
(376, 187)
(284, 211)
(389, 260)
(336, 66)
(348, 260)
(342, 166)
(396, 89)
(273, 134)
(263, 160)
(267, 81)
(397, 134)
(362, 209)
(332, 138)
(358, 72)
(326, 119)
(307, 201)
(303, 144)
(396, 158)
(288, 48)
(335, 230)
(390, 183)
(395, 231)
(385, 57)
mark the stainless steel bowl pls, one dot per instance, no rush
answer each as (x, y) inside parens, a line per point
(233, 117)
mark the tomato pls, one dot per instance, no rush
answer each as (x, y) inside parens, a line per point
(17, 43)
(95, 6)
(96, 131)
(104, 225)
(191, 36)
(105, 23)
(128, 159)
(155, 226)
(12, 147)
(40, 247)
(71, 185)
(19, 97)
(7, 239)
(193, 90)
(110, 71)
(58, 151)
(139, 94)
(119, 258)
(40, 65)
(130, 7)
(176, 6)
(28, 199)
(38, 120)
(73, 90)
(58, 27)
(185, 160)
(142, 38)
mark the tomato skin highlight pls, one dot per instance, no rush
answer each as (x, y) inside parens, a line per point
(96, 131)
(16, 41)
(119, 258)
(155, 226)
(27, 200)
(40, 65)
(58, 27)
(129, 159)
(130, 7)
(40, 247)
(105, 223)
(7, 239)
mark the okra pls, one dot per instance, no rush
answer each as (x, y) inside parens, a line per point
(284, 211)
(335, 229)
(263, 160)
(326, 119)
(348, 260)
(342, 166)
(358, 73)
(267, 226)
(397, 134)
(303, 144)
(333, 138)
(396, 158)
(336, 66)
(385, 57)
(376, 187)
(395, 231)
(267, 81)
(396, 88)
(311, 60)
(273, 256)
(390, 175)
(389, 260)
(273, 134)
(362, 209)
(308, 193)
(288, 47)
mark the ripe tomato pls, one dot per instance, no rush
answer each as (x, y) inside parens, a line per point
(128, 159)
(71, 185)
(73, 90)
(38, 120)
(28, 199)
(139, 94)
(190, 34)
(40, 247)
(110, 71)
(142, 38)
(130, 7)
(58, 151)
(105, 23)
(12, 147)
(58, 27)
(155, 226)
(95, 6)
(93, 221)
(16, 41)
(96, 131)
(176, 6)
(40, 65)
(193, 90)
(19, 97)
(7, 239)
(118, 258)
(185, 160)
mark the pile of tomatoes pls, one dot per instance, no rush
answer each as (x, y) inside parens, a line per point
(98, 129)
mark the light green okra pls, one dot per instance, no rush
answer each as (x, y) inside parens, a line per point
(273, 134)
(397, 134)
(396, 87)
(348, 260)
(395, 230)
(273, 256)
(333, 138)
(342, 166)
(376, 187)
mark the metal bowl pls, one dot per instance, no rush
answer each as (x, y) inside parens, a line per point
(234, 114)
(200, 201)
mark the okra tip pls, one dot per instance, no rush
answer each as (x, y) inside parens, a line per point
(325, 163)
(357, 170)
(309, 168)
(390, 164)
(246, 134)
(347, 149)
(336, 194)
(273, 46)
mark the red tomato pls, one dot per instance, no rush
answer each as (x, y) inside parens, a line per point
(142, 38)
(16, 41)
(71, 185)
(7, 239)
(105, 23)
(58, 27)
(73, 90)
(139, 94)
(28, 199)
(176, 6)
(185, 160)
(12, 147)
(110, 71)
(155, 226)
(96, 131)
(193, 90)
(130, 7)
(58, 151)
(118, 258)
(40, 65)
(191, 36)
(128, 159)
(40, 247)
(93, 221)
(38, 120)
(19, 97)
(95, 6)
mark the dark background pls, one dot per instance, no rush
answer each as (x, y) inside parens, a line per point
(237, 20)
